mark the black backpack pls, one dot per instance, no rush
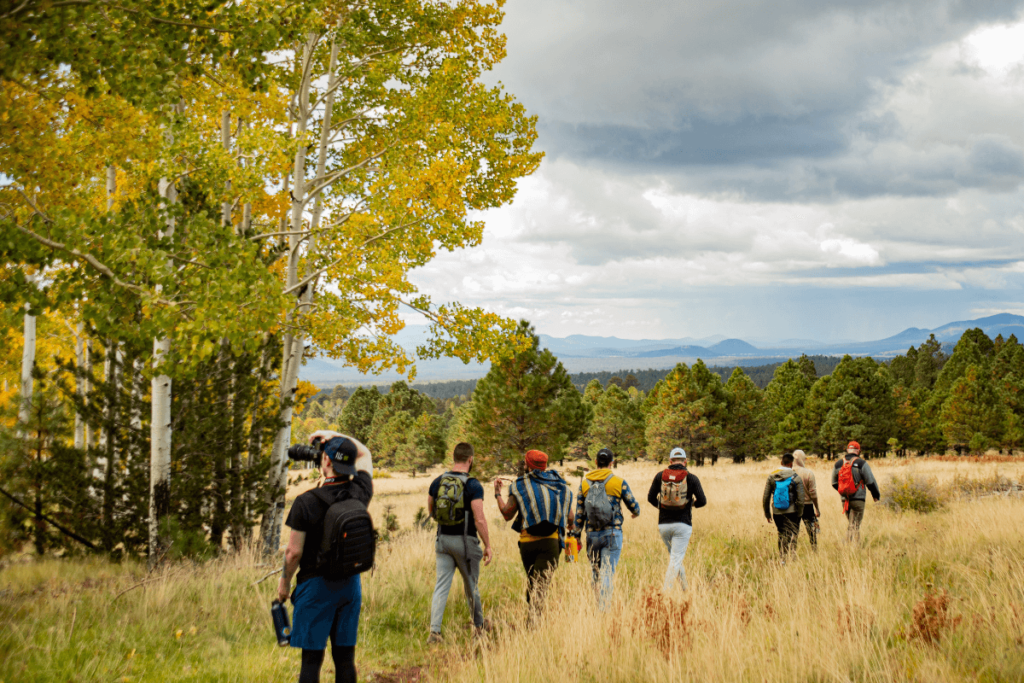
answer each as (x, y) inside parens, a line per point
(349, 543)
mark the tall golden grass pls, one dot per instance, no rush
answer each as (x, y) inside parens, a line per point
(923, 597)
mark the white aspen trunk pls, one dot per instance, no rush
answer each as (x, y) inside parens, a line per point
(28, 361)
(90, 433)
(292, 353)
(101, 461)
(79, 385)
(225, 139)
(160, 428)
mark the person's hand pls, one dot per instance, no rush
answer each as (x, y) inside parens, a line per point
(635, 515)
(487, 555)
(283, 590)
(817, 513)
(877, 498)
(323, 435)
(768, 518)
(497, 487)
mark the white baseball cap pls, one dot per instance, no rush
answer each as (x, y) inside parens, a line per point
(677, 454)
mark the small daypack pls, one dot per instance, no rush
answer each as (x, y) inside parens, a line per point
(673, 489)
(781, 499)
(599, 506)
(349, 543)
(450, 504)
(848, 484)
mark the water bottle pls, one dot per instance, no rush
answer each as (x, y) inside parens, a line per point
(279, 613)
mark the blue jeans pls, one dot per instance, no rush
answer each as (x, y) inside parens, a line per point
(604, 549)
(676, 537)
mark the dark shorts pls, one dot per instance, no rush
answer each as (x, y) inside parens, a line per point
(324, 609)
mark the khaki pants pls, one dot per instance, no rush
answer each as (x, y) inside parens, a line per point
(854, 517)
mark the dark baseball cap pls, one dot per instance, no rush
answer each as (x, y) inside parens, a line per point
(343, 453)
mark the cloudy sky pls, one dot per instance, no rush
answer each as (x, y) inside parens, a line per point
(793, 168)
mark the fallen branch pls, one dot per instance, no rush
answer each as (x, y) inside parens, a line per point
(39, 515)
(276, 571)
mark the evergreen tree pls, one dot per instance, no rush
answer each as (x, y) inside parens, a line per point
(357, 416)
(687, 409)
(973, 416)
(393, 426)
(339, 393)
(526, 401)
(618, 424)
(746, 426)
(785, 400)
(856, 404)
(630, 382)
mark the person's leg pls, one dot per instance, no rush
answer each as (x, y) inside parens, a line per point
(610, 555)
(344, 663)
(546, 561)
(468, 563)
(528, 554)
(445, 572)
(856, 517)
(781, 524)
(792, 529)
(680, 541)
(312, 660)
(810, 521)
(595, 546)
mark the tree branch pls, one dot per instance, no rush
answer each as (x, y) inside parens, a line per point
(66, 532)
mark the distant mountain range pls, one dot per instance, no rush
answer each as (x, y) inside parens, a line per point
(581, 353)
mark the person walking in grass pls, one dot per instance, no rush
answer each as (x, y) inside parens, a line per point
(783, 501)
(456, 501)
(325, 610)
(540, 501)
(599, 512)
(852, 478)
(676, 492)
(811, 510)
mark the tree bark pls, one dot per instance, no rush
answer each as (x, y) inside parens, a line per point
(28, 361)
(160, 428)
(79, 386)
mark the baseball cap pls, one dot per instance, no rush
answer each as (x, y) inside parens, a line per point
(343, 453)
(677, 454)
(853, 446)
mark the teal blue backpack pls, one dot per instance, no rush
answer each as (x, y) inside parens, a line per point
(781, 500)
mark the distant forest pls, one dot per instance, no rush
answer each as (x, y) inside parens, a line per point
(646, 379)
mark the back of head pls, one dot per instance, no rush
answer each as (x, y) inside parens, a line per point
(787, 460)
(604, 457)
(799, 458)
(462, 453)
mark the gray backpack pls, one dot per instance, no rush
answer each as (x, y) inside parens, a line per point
(599, 506)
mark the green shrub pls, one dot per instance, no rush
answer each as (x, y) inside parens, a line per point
(913, 493)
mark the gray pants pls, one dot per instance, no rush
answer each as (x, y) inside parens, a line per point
(464, 554)
(854, 517)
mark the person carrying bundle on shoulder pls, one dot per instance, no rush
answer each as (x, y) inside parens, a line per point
(850, 476)
(540, 501)
(332, 541)
(599, 512)
(456, 501)
(675, 492)
(783, 501)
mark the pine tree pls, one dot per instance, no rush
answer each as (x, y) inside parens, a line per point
(357, 416)
(687, 409)
(525, 402)
(972, 415)
(785, 399)
(855, 404)
(618, 424)
(746, 427)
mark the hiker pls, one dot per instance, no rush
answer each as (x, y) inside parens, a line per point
(675, 492)
(325, 609)
(540, 502)
(811, 510)
(849, 477)
(783, 501)
(456, 501)
(599, 512)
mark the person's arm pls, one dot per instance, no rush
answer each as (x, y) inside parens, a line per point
(801, 495)
(292, 555)
(835, 475)
(477, 506)
(430, 505)
(869, 481)
(653, 495)
(699, 499)
(766, 499)
(630, 500)
(811, 485)
(507, 508)
(581, 512)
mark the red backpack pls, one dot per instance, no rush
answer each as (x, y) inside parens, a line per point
(848, 486)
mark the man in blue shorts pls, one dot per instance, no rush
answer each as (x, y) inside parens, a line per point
(325, 609)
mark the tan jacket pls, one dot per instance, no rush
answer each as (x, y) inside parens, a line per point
(807, 477)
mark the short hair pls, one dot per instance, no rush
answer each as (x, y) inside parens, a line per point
(462, 453)
(787, 459)
(604, 457)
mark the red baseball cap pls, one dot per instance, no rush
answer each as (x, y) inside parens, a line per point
(853, 446)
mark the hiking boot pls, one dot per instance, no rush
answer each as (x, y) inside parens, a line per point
(482, 630)
(434, 638)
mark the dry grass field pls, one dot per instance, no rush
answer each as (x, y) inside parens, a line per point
(923, 597)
